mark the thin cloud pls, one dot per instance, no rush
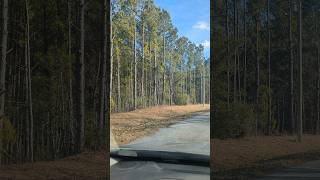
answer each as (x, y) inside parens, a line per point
(202, 25)
(206, 44)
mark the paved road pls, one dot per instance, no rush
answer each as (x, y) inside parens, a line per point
(308, 171)
(191, 135)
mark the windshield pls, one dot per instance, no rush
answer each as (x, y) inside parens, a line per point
(160, 82)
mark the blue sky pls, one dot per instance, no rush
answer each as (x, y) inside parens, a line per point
(192, 18)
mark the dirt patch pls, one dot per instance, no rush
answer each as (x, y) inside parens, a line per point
(90, 165)
(129, 126)
(249, 157)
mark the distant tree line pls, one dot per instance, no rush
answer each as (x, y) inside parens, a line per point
(151, 65)
(266, 68)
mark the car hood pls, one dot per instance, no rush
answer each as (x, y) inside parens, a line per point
(202, 148)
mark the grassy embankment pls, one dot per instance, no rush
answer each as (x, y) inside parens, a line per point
(129, 126)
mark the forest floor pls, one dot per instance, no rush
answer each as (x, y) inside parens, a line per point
(126, 126)
(89, 165)
(129, 126)
(251, 157)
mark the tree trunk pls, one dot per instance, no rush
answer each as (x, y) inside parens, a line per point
(82, 78)
(29, 79)
(142, 70)
(27, 117)
(103, 79)
(70, 78)
(3, 58)
(235, 52)
(228, 52)
(194, 86)
(155, 77)
(258, 74)
(111, 54)
(245, 51)
(203, 84)
(291, 70)
(3, 66)
(164, 70)
(135, 67)
(318, 77)
(170, 84)
(108, 76)
(269, 69)
(238, 53)
(300, 128)
(118, 83)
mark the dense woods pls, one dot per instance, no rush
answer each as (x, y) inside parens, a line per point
(151, 65)
(266, 67)
(57, 58)
(53, 83)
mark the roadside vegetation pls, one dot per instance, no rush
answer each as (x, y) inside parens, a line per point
(129, 126)
(249, 157)
(266, 76)
(53, 79)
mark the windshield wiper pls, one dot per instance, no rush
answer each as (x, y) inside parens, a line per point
(161, 156)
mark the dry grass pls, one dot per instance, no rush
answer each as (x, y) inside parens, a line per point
(256, 155)
(129, 126)
(84, 166)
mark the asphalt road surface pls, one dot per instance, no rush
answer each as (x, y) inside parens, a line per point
(308, 171)
(191, 135)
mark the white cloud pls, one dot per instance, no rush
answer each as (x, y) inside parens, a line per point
(206, 44)
(201, 25)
